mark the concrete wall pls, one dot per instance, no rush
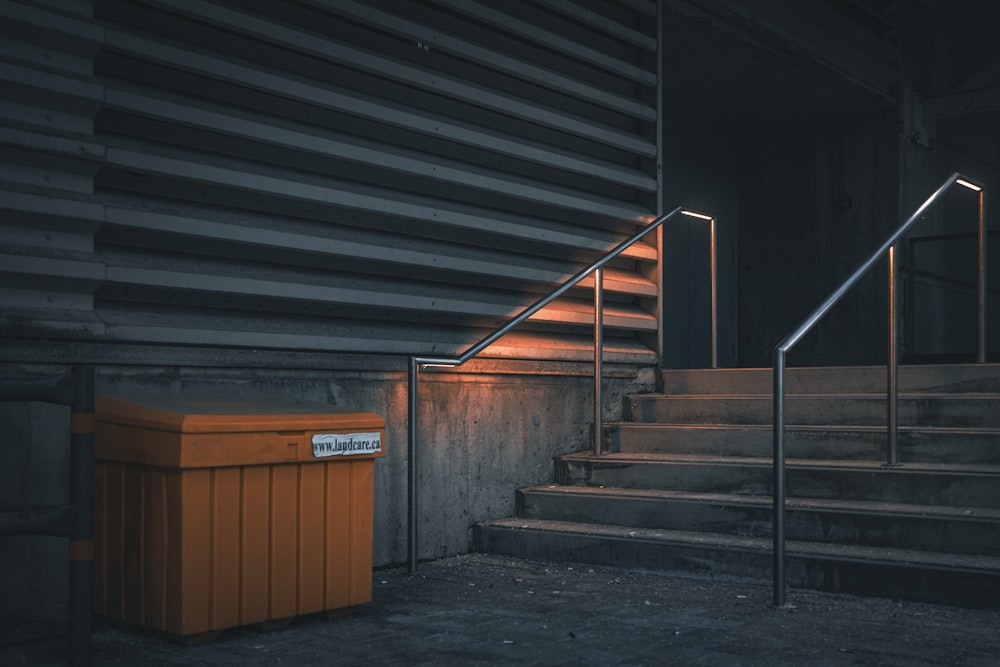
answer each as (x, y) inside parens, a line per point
(483, 434)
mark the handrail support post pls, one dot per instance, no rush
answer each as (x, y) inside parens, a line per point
(598, 357)
(778, 553)
(983, 287)
(714, 297)
(892, 365)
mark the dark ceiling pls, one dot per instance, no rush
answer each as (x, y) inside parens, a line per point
(717, 77)
(753, 66)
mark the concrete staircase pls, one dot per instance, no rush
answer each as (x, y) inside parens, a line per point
(686, 485)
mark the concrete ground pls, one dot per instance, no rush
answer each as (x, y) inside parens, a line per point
(488, 610)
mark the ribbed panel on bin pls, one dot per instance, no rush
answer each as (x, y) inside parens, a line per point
(199, 532)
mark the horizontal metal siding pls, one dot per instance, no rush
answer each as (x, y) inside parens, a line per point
(395, 177)
(48, 157)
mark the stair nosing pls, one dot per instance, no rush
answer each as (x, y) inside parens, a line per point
(889, 555)
(847, 428)
(840, 395)
(918, 467)
(869, 507)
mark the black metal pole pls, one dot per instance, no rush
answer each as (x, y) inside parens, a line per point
(81, 546)
(411, 495)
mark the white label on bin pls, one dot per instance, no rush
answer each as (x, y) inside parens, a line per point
(346, 444)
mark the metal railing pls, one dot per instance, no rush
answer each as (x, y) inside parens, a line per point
(892, 365)
(418, 362)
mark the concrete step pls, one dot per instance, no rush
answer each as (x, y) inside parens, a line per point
(950, 378)
(941, 578)
(943, 410)
(914, 444)
(687, 484)
(911, 483)
(971, 530)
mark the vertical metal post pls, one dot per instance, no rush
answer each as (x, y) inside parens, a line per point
(411, 496)
(908, 319)
(778, 553)
(81, 547)
(715, 317)
(892, 365)
(598, 348)
(661, 102)
(981, 331)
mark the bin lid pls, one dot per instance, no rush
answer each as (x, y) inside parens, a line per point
(209, 431)
(212, 414)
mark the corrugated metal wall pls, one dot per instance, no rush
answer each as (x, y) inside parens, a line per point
(48, 158)
(379, 176)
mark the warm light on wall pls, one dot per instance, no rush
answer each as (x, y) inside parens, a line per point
(969, 184)
(418, 363)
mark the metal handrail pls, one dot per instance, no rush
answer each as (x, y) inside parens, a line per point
(892, 365)
(416, 362)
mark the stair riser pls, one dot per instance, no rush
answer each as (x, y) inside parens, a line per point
(905, 581)
(752, 441)
(968, 411)
(979, 378)
(950, 535)
(885, 485)
(912, 445)
(851, 526)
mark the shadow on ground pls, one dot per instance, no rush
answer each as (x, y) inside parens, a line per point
(488, 610)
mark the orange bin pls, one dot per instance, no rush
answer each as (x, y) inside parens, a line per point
(212, 514)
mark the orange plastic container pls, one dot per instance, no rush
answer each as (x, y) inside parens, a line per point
(212, 514)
